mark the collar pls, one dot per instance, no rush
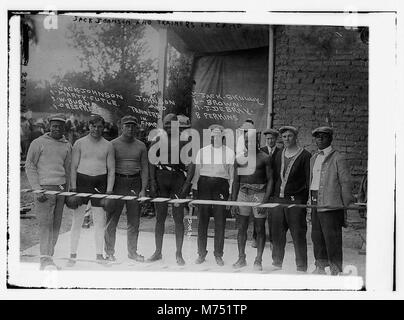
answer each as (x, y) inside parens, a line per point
(326, 151)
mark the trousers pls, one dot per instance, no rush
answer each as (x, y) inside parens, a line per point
(211, 188)
(49, 214)
(123, 186)
(293, 219)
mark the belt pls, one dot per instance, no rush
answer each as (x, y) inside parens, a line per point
(127, 175)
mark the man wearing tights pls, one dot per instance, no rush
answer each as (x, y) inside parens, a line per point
(255, 187)
(93, 171)
(292, 178)
(169, 178)
(131, 178)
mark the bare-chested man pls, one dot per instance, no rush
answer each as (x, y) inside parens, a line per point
(93, 171)
(256, 187)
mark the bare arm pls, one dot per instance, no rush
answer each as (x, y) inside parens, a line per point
(270, 179)
(74, 165)
(145, 169)
(110, 167)
(197, 169)
(67, 165)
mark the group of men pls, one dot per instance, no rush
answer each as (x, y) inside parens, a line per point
(284, 176)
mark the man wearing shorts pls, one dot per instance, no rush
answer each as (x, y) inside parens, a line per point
(256, 187)
(170, 178)
(131, 178)
(93, 171)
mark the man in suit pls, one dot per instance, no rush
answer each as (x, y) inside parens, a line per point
(330, 185)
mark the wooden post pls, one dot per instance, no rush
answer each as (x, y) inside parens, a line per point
(271, 52)
(162, 72)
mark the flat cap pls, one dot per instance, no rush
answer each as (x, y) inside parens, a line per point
(324, 129)
(216, 127)
(58, 117)
(184, 121)
(129, 119)
(288, 128)
(271, 131)
(168, 118)
(247, 125)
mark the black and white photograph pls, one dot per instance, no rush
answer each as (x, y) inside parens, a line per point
(191, 150)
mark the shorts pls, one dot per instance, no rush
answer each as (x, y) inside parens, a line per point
(87, 184)
(252, 193)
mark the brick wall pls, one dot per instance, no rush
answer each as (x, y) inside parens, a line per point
(321, 78)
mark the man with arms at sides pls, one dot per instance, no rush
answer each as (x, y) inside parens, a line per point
(93, 171)
(292, 177)
(48, 167)
(131, 178)
(255, 187)
(270, 148)
(214, 171)
(169, 178)
(330, 185)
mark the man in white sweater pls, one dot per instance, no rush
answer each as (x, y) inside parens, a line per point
(48, 167)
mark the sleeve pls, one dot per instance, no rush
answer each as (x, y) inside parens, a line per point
(31, 163)
(197, 171)
(344, 177)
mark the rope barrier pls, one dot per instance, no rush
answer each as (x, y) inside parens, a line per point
(355, 206)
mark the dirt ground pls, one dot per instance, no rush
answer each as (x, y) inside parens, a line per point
(353, 236)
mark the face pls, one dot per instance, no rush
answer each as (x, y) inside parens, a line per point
(323, 140)
(96, 129)
(217, 138)
(289, 139)
(129, 130)
(270, 140)
(57, 129)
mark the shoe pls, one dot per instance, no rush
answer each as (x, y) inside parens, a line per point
(275, 267)
(200, 259)
(319, 270)
(156, 256)
(137, 257)
(254, 243)
(240, 263)
(49, 265)
(180, 260)
(257, 265)
(219, 261)
(334, 271)
(100, 259)
(110, 257)
(301, 271)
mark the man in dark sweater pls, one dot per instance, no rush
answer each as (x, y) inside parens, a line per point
(292, 176)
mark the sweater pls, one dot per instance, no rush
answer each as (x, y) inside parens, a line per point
(48, 161)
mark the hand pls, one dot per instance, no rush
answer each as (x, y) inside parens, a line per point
(194, 194)
(142, 193)
(235, 210)
(42, 198)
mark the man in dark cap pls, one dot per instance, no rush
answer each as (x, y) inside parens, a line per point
(48, 167)
(292, 177)
(330, 185)
(169, 178)
(131, 178)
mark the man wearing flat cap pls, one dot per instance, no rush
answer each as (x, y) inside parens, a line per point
(48, 167)
(330, 185)
(131, 179)
(214, 170)
(292, 176)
